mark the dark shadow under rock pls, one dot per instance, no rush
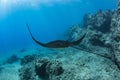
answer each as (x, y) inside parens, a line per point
(41, 71)
(48, 68)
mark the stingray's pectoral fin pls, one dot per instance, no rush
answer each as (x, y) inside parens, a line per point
(78, 41)
(38, 42)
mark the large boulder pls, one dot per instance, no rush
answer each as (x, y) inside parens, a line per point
(115, 34)
(41, 69)
(98, 36)
(27, 59)
(100, 21)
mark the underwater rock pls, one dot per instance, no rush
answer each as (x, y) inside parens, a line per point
(27, 59)
(98, 27)
(41, 69)
(94, 40)
(103, 34)
(80, 66)
(100, 21)
(74, 33)
(48, 69)
(12, 59)
(115, 35)
(27, 72)
(109, 38)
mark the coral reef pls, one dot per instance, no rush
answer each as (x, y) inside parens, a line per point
(98, 28)
(81, 66)
(115, 35)
(103, 34)
(27, 72)
(98, 58)
(100, 21)
(27, 59)
(41, 69)
(74, 32)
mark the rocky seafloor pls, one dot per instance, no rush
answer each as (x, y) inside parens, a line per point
(97, 57)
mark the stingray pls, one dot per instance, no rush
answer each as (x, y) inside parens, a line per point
(57, 43)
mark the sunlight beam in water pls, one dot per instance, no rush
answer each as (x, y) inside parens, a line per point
(8, 6)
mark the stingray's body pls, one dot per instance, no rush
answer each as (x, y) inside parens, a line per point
(57, 43)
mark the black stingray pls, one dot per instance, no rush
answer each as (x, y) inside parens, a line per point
(57, 43)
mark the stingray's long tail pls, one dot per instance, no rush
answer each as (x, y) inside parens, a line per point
(34, 38)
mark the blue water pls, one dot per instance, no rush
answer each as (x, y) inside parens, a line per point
(48, 20)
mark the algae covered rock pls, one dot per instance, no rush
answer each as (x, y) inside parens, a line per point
(97, 26)
(27, 73)
(74, 32)
(41, 69)
(115, 37)
(100, 21)
(27, 59)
